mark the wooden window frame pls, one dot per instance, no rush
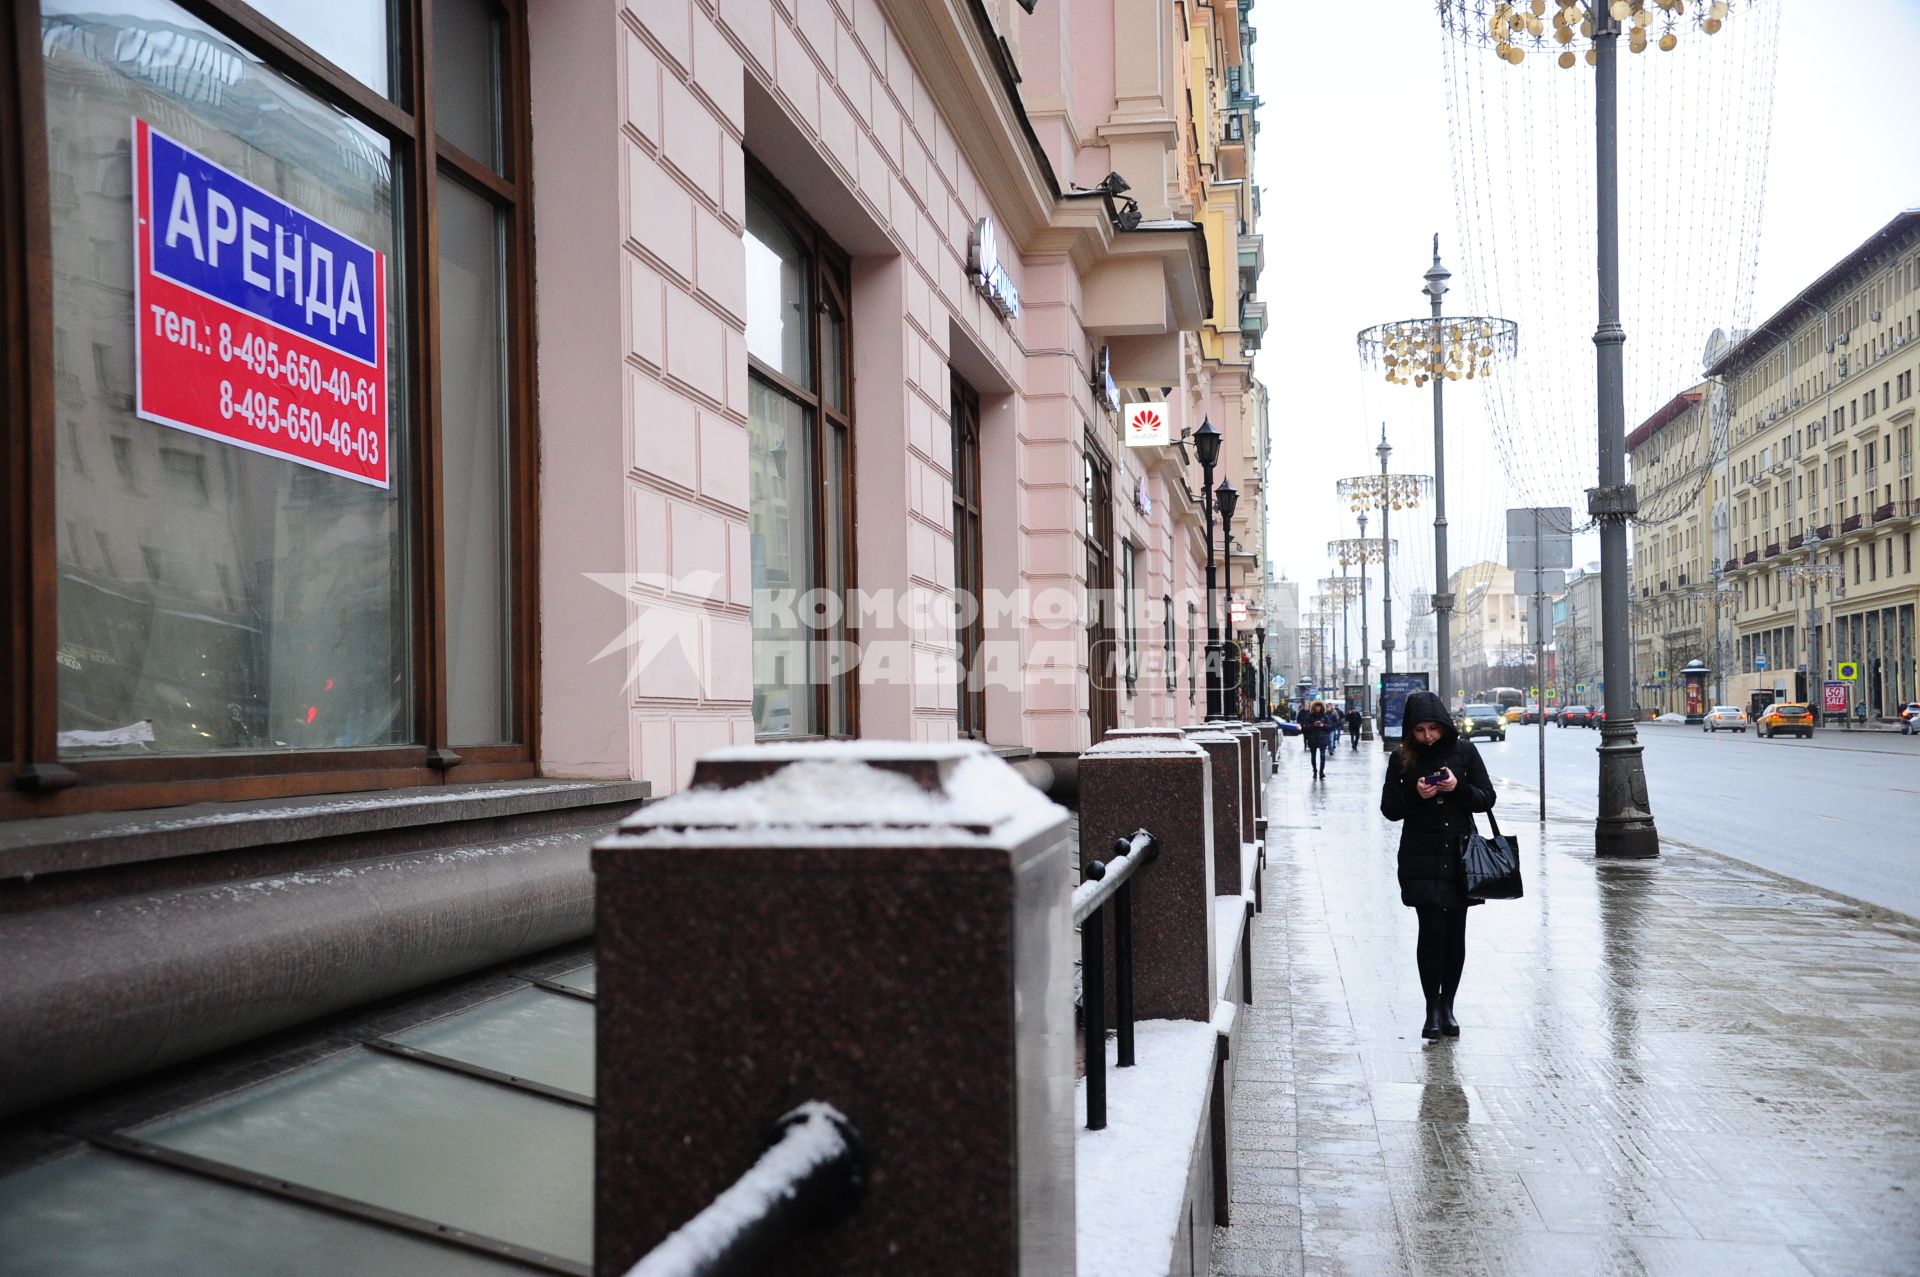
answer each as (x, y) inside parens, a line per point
(969, 560)
(34, 779)
(830, 279)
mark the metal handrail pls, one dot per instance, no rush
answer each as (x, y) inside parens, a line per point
(813, 1174)
(1105, 883)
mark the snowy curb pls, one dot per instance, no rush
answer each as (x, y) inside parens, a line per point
(1131, 1182)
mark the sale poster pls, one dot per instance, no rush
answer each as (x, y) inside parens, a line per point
(256, 324)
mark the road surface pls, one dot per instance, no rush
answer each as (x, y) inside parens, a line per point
(1841, 811)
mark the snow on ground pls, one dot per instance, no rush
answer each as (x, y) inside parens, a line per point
(1131, 1178)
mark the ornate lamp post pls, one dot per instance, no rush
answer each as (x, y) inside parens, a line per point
(1227, 498)
(1386, 493)
(1718, 589)
(1342, 590)
(1436, 350)
(1625, 825)
(1206, 449)
(1363, 550)
(1813, 572)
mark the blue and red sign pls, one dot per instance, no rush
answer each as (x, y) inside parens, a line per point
(255, 323)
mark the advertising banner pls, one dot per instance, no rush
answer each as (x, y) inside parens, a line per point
(1833, 697)
(255, 323)
(1394, 690)
(1696, 698)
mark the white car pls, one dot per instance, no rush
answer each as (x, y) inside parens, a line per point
(1725, 718)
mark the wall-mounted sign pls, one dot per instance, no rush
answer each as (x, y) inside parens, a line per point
(1147, 425)
(986, 272)
(1142, 500)
(255, 323)
(1237, 609)
(1105, 389)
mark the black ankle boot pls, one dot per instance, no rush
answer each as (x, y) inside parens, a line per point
(1449, 1027)
(1434, 1023)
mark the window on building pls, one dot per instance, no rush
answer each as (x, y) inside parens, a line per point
(360, 581)
(1102, 657)
(799, 458)
(1129, 621)
(969, 572)
(1193, 669)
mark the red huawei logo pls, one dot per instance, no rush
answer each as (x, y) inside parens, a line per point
(1147, 421)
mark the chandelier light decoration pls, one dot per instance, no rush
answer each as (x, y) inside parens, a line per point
(1421, 604)
(1365, 493)
(1413, 352)
(1340, 589)
(1695, 125)
(1353, 551)
(1515, 29)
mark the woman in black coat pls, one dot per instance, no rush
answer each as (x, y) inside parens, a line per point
(1318, 727)
(1436, 817)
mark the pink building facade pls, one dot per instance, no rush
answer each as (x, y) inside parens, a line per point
(697, 165)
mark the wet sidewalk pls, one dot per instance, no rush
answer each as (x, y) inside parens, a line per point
(1682, 1066)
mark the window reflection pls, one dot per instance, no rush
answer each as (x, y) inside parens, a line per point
(210, 598)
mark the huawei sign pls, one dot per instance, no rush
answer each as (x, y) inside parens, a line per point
(1147, 425)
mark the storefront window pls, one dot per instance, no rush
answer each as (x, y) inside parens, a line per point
(276, 401)
(799, 467)
(215, 594)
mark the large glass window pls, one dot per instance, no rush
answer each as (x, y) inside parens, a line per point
(800, 456)
(284, 438)
(273, 613)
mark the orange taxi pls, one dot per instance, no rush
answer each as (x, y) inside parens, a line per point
(1789, 717)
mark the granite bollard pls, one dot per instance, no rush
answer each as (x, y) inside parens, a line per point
(1223, 753)
(882, 926)
(1161, 785)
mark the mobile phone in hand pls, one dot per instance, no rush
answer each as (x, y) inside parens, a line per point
(1433, 780)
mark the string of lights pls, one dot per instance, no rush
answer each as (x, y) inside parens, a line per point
(1697, 128)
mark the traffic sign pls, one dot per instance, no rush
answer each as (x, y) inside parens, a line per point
(1760, 661)
(1847, 671)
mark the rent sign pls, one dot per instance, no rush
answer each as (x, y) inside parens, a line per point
(255, 323)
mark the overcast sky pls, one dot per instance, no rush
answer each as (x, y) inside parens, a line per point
(1351, 203)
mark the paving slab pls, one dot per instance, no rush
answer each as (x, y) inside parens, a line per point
(1684, 1065)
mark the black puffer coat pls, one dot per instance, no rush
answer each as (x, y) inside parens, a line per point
(1430, 836)
(1318, 728)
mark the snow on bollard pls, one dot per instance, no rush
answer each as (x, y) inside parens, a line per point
(878, 924)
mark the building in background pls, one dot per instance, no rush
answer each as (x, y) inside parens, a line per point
(1579, 654)
(1669, 455)
(1488, 629)
(1819, 481)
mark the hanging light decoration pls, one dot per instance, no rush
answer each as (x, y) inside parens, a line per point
(1413, 352)
(1353, 551)
(1367, 492)
(1512, 30)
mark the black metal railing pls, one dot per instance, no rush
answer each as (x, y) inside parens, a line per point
(1107, 884)
(812, 1175)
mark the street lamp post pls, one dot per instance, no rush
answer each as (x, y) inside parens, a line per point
(1206, 449)
(1813, 572)
(1437, 350)
(1227, 498)
(1366, 675)
(1625, 826)
(1386, 493)
(1260, 701)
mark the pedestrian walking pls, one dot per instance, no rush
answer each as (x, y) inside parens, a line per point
(1318, 727)
(1353, 728)
(1435, 782)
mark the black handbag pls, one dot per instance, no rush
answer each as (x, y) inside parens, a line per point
(1491, 865)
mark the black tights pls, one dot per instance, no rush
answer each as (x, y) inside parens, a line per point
(1441, 951)
(1317, 756)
